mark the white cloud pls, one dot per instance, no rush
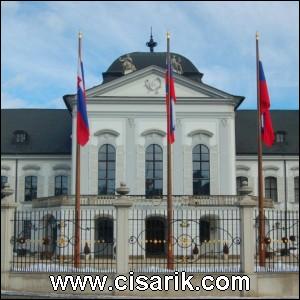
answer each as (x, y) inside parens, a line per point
(39, 42)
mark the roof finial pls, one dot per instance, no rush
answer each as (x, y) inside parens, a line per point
(151, 44)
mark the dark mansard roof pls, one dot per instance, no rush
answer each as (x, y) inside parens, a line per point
(141, 60)
(48, 131)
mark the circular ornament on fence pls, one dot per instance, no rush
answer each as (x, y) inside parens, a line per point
(184, 241)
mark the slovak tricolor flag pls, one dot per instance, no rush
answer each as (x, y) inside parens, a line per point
(170, 101)
(83, 132)
(267, 132)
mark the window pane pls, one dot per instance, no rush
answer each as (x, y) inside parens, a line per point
(196, 174)
(149, 165)
(196, 166)
(110, 149)
(159, 156)
(149, 156)
(102, 187)
(204, 149)
(196, 157)
(196, 149)
(205, 157)
(157, 149)
(102, 166)
(34, 181)
(102, 156)
(158, 184)
(27, 182)
(204, 166)
(111, 156)
(196, 187)
(205, 187)
(58, 181)
(110, 174)
(273, 183)
(158, 174)
(111, 186)
(102, 174)
(64, 181)
(149, 184)
(205, 174)
(111, 165)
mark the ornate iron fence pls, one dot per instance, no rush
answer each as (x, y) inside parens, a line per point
(43, 241)
(281, 241)
(204, 239)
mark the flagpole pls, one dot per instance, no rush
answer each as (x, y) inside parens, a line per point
(77, 190)
(261, 224)
(170, 254)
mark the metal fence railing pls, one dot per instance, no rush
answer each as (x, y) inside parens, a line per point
(204, 240)
(281, 241)
(43, 241)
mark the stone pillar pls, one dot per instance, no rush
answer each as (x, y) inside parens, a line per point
(122, 206)
(247, 205)
(7, 214)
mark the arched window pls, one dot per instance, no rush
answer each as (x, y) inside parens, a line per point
(154, 170)
(3, 181)
(61, 185)
(271, 188)
(107, 170)
(239, 183)
(201, 170)
(30, 188)
(296, 188)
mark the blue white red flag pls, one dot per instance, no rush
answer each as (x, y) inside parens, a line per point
(170, 102)
(82, 119)
(267, 133)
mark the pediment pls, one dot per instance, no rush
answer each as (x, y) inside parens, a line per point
(150, 82)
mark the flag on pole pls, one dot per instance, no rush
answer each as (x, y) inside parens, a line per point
(170, 101)
(82, 119)
(267, 132)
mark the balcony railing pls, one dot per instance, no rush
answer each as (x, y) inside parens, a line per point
(178, 200)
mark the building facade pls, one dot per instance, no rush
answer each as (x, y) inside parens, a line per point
(214, 151)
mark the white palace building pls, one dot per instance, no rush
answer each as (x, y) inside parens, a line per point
(214, 152)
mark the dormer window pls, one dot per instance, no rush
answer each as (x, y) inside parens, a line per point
(20, 136)
(280, 137)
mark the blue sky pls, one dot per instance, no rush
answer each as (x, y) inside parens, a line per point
(39, 45)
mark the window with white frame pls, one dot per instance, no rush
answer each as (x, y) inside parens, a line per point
(154, 170)
(30, 188)
(271, 188)
(201, 176)
(106, 170)
(61, 185)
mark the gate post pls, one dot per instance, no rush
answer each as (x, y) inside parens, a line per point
(122, 206)
(7, 230)
(247, 234)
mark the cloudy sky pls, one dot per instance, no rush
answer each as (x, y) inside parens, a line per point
(39, 45)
